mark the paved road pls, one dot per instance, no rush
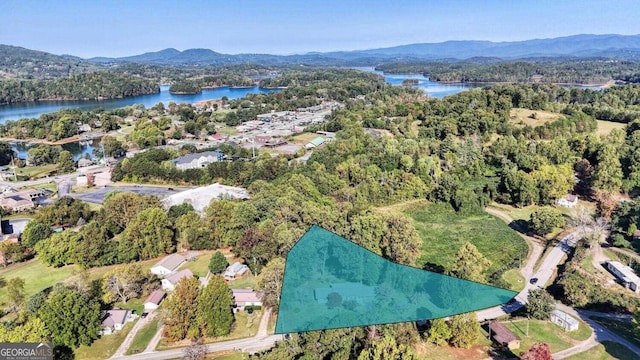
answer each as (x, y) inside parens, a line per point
(544, 273)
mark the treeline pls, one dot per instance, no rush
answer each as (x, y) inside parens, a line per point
(569, 71)
(194, 86)
(100, 85)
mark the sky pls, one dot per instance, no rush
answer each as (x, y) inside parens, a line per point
(89, 28)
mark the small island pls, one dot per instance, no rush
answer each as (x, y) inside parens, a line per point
(185, 88)
(410, 82)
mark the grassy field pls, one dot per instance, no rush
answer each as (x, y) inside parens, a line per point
(245, 326)
(622, 328)
(36, 171)
(513, 278)
(200, 266)
(606, 351)
(142, 338)
(304, 138)
(227, 355)
(523, 116)
(231, 131)
(104, 347)
(605, 127)
(37, 276)
(547, 332)
(443, 232)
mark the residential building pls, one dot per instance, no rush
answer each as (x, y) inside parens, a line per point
(625, 274)
(84, 162)
(362, 294)
(154, 299)
(503, 336)
(245, 297)
(84, 128)
(564, 320)
(198, 160)
(568, 201)
(169, 283)
(114, 320)
(235, 270)
(16, 201)
(168, 265)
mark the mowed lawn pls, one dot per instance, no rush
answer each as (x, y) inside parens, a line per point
(607, 350)
(104, 347)
(547, 332)
(36, 275)
(443, 232)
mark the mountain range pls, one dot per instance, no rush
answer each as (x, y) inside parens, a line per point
(576, 46)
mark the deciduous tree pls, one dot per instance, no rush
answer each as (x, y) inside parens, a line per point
(387, 349)
(439, 332)
(215, 314)
(270, 281)
(465, 330)
(181, 310)
(124, 283)
(540, 304)
(218, 263)
(538, 351)
(15, 294)
(544, 219)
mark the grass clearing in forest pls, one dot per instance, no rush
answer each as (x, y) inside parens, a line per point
(532, 118)
(443, 232)
(605, 127)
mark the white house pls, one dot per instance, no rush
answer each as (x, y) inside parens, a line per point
(168, 265)
(154, 299)
(625, 274)
(245, 297)
(198, 160)
(564, 320)
(114, 320)
(235, 270)
(169, 283)
(568, 201)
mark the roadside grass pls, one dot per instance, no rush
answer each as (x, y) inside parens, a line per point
(36, 275)
(49, 186)
(443, 232)
(37, 171)
(199, 266)
(244, 326)
(105, 346)
(605, 127)
(514, 212)
(227, 355)
(607, 350)
(514, 279)
(547, 332)
(143, 337)
(625, 329)
(524, 116)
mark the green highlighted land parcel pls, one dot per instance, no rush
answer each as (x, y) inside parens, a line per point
(330, 282)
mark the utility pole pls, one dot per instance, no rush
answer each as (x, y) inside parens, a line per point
(528, 320)
(15, 176)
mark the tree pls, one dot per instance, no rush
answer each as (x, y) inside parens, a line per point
(218, 263)
(465, 330)
(15, 294)
(112, 147)
(215, 314)
(121, 208)
(34, 232)
(470, 264)
(544, 219)
(60, 249)
(181, 310)
(270, 281)
(149, 235)
(191, 232)
(387, 349)
(538, 351)
(540, 304)
(608, 171)
(65, 162)
(124, 283)
(72, 318)
(439, 332)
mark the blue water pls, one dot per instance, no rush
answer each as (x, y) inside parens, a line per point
(77, 149)
(433, 89)
(35, 109)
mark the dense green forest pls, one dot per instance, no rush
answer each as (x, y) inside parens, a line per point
(86, 86)
(568, 71)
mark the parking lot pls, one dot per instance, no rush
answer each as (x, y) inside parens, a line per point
(97, 196)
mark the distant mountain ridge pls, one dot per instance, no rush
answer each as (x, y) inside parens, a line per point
(576, 46)
(573, 46)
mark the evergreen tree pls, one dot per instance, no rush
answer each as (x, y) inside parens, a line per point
(470, 264)
(218, 263)
(215, 314)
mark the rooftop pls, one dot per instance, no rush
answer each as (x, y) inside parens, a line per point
(190, 157)
(501, 334)
(155, 297)
(115, 316)
(566, 317)
(175, 278)
(200, 197)
(627, 272)
(171, 262)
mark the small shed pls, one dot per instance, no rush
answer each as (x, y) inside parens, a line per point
(503, 336)
(154, 299)
(564, 320)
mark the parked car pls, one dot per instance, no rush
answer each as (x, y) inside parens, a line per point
(533, 280)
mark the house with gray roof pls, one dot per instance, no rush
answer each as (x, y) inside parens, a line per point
(168, 265)
(235, 270)
(169, 283)
(198, 160)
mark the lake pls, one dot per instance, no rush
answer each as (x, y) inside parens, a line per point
(78, 149)
(35, 109)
